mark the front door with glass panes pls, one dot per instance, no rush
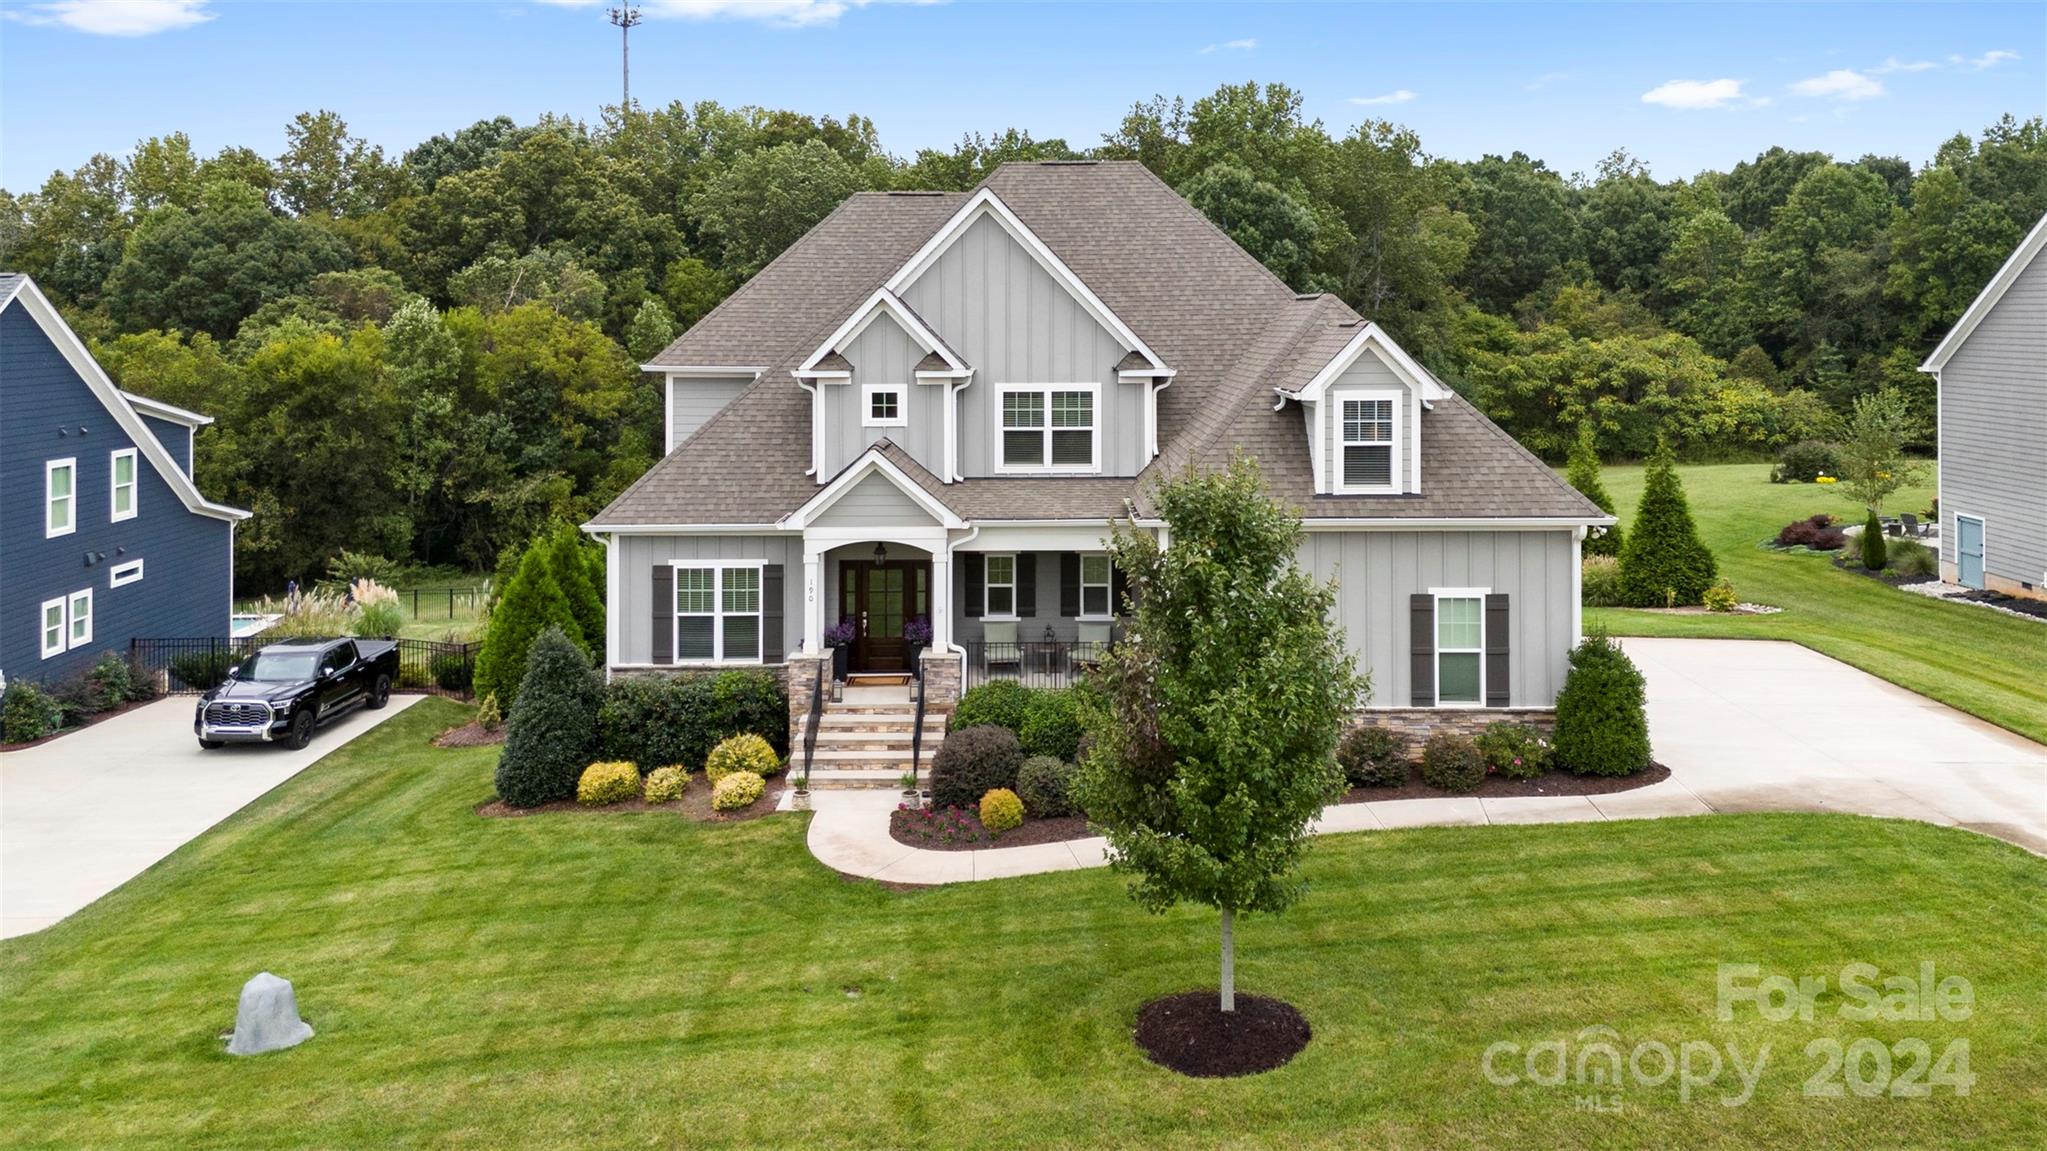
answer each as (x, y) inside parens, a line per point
(881, 596)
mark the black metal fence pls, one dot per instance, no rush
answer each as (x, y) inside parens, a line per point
(1038, 663)
(196, 664)
(440, 602)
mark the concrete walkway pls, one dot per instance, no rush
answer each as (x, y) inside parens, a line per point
(81, 815)
(1742, 725)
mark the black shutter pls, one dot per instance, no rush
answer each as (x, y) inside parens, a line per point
(1119, 591)
(664, 614)
(1027, 584)
(1421, 645)
(1497, 634)
(773, 649)
(1069, 584)
(977, 582)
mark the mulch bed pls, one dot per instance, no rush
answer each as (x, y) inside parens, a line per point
(1886, 576)
(695, 804)
(1033, 831)
(1495, 786)
(102, 717)
(470, 734)
(1192, 1034)
(2032, 607)
(1695, 609)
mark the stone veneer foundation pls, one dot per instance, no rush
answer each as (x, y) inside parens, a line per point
(1419, 723)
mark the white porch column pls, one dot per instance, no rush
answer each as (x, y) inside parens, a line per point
(813, 602)
(941, 597)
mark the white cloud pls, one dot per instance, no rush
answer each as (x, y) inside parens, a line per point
(117, 17)
(1398, 96)
(1990, 59)
(1893, 64)
(1694, 94)
(1840, 84)
(1244, 45)
(781, 13)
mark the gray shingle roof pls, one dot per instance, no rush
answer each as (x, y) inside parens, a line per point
(9, 283)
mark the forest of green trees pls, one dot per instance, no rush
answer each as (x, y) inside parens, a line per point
(429, 357)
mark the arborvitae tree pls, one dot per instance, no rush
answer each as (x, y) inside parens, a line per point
(1602, 724)
(551, 733)
(1663, 562)
(568, 559)
(1875, 551)
(1584, 475)
(531, 602)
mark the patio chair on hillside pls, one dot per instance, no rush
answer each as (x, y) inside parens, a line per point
(1000, 649)
(1913, 527)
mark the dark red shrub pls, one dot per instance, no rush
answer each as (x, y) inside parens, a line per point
(1814, 533)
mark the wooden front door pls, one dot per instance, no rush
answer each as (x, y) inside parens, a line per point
(881, 597)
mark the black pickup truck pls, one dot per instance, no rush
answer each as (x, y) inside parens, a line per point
(287, 689)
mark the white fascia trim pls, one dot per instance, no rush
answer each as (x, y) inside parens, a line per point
(870, 462)
(816, 424)
(986, 203)
(1374, 337)
(1475, 524)
(832, 377)
(170, 413)
(883, 299)
(691, 370)
(1987, 299)
(117, 405)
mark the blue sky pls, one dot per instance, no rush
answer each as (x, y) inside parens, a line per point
(1684, 86)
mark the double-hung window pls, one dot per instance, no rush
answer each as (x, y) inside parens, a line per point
(1460, 648)
(122, 474)
(1000, 582)
(883, 406)
(53, 627)
(1095, 597)
(718, 614)
(66, 623)
(60, 498)
(1368, 443)
(1050, 429)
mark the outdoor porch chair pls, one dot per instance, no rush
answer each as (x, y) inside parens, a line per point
(1913, 527)
(999, 647)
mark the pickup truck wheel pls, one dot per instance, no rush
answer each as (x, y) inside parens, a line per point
(301, 732)
(380, 692)
(210, 744)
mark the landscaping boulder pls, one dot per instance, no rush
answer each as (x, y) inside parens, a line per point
(267, 1018)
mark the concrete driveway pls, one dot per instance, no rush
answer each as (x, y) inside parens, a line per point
(1749, 725)
(81, 815)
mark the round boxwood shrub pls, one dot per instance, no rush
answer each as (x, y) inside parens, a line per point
(741, 753)
(1042, 785)
(666, 784)
(737, 790)
(552, 730)
(1452, 763)
(972, 762)
(1373, 756)
(1003, 703)
(1051, 725)
(1515, 750)
(614, 781)
(1602, 726)
(28, 713)
(1001, 810)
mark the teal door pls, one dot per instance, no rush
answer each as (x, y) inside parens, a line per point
(1969, 551)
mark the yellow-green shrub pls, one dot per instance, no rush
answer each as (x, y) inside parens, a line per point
(737, 790)
(741, 753)
(1001, 810)
(614, 781)
(666, 784)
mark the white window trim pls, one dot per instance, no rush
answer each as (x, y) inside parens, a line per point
(718, 612)
(1044, 391)
(987, 585)
(1396, 401)
(49, 497)
(114, 485)
(1436, 644)
(1109, 593)
(71, 618)
(125, 574)
(61, 603)
(867, 417)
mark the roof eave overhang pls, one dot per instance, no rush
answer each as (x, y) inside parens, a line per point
(1370, 337)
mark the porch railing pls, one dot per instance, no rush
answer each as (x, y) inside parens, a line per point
(1033, 663)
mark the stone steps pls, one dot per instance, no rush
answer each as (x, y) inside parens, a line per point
(867, 744)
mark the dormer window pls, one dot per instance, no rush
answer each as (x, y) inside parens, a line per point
(883, 406)
(1368, 433)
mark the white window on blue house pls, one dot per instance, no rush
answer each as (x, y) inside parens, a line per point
(124, 574)
(718, 614)
(123, 485)
(60, 498)
(67, 623)
(53, 627)
(81, 618)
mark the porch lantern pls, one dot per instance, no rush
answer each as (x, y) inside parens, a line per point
(881, 553)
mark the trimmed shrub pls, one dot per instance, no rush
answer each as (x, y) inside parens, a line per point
(1815, 532)
(666, 784)
(1001, 810)
(741, 753)
(1515, 750)
(1663, 563)
(1450, 762)
(532, 602)
(552, 731)
(488, 717)
(1042, 785)
(1373, 756)
(28, 713)
(613, 781)
(1583, 473)
(1051, 725)
(740, 789)
(1806, 461)
(113, 680)
(1912, 558)
(972, 762)
(1599, 585)
(1873, 553)
(1003, 703)
(1602, 725)
(1720, 597)
(679, 719)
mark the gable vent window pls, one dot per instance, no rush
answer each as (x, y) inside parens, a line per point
(1049, 429)
(1368, 443)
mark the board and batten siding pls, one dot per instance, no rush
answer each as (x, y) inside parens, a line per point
(1993, 433)
(1369, 373)
(693, 400)
(638, 556)
(882, 354)
(1008, 318)
(874, 502)
(1376, 572)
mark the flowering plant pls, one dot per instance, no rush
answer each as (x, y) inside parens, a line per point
(841, 633)
(917, 630)
(950, 825)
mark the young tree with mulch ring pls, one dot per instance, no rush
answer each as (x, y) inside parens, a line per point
(552, 731)
(1214, 721)
(1663, 563)
(1583, 474)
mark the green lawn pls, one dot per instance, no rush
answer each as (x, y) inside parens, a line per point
(1983, 662)
(643, 981)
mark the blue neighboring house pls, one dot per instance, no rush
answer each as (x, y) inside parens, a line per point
(103, 535)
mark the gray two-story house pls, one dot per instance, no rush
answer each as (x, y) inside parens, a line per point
(104, 537)
(1991, 372)
(933, 406)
